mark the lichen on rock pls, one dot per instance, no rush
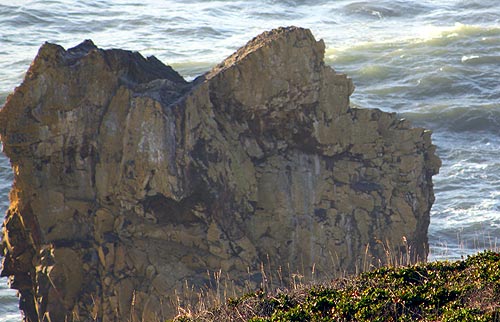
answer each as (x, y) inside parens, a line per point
(131, 182)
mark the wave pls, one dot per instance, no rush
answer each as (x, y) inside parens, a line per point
(10, 317)
(444, 79)
(434, 35)
(8, 303)
(380, 10)
(459, 119)
(427, 35)
(480, 60)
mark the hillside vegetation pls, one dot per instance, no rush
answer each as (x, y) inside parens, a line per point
(466, 290)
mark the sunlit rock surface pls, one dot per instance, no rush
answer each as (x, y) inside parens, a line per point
(131, 182)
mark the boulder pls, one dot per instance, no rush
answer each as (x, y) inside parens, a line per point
(133, 186)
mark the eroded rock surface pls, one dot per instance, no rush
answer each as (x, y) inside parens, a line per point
(131, 182)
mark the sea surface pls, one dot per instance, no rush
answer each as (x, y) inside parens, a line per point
(436, 63)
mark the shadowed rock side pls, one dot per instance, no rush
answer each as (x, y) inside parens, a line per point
(131, 182)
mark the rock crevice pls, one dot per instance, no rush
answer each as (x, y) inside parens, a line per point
(131, 182)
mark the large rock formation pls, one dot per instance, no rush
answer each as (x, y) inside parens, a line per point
(131, 182)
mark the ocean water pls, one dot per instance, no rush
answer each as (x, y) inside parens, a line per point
(436, 63)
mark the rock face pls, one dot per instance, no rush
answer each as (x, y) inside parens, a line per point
(131, 182)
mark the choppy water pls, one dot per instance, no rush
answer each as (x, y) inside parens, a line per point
(436, 63)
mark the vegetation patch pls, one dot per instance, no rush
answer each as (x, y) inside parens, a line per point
(467, 290)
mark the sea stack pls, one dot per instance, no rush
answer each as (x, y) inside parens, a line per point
(131, 182)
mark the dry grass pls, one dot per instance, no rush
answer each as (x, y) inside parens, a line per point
(284, 291)
(467, 290)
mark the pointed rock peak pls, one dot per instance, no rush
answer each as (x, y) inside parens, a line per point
(273, 46)
(50, 52)
(82, 49)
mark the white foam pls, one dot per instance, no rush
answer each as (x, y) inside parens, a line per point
(467, 58)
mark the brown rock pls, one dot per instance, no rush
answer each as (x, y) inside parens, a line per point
(131, 182)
